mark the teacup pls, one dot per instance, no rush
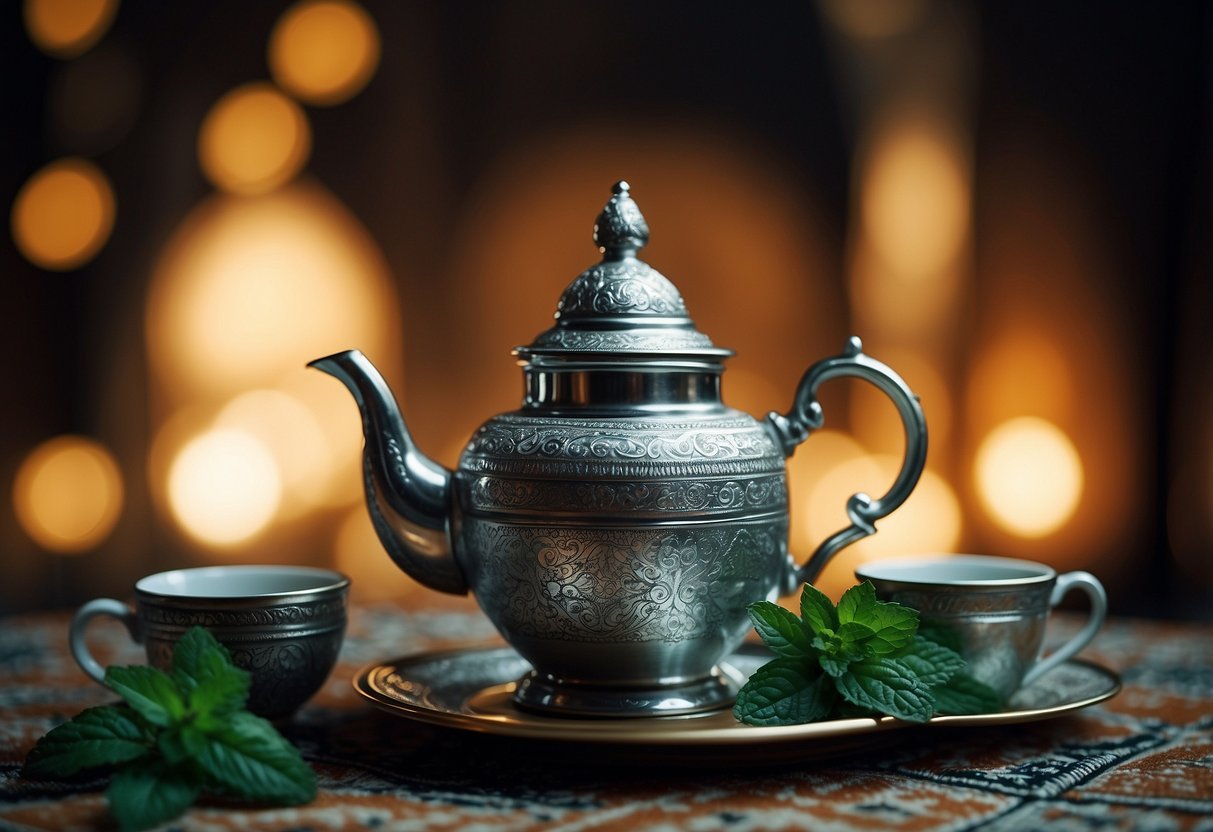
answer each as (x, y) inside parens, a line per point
(993, 610)
(283, 624)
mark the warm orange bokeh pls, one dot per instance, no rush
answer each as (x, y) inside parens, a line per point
(63, 215)
(68, 494)
(253, 140)
(1029, 477)
(67, 28)
(324, 51)
(251, 289)
(247, 291)
(224, 486)
(1049, 343)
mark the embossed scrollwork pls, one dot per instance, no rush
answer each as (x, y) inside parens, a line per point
(621, 287)
(502, 494)
(615, 585)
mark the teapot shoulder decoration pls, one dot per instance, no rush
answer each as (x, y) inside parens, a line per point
(616, 526)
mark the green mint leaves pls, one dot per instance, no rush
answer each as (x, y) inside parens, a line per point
(176, 735)
(861, 657)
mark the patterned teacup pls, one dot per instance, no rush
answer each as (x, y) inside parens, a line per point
(993, 610)
(283, 624)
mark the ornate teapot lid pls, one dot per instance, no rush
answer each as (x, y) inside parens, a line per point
(621, 309)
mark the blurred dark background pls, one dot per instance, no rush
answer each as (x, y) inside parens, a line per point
(1009, 202)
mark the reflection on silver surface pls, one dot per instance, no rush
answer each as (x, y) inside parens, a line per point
(472, 690)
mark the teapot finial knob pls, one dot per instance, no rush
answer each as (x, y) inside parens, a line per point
(620, 230)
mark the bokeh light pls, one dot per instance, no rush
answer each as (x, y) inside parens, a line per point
(253, 140)
(324, 51)
(171, 435)
(915, 201)
(249, 290)
(1029, 476)
(67, 28)
(1022, 367)
(224, 487)
(63, 214)
(336, 414)
(914, 225)
(291, 433)
(68, 494)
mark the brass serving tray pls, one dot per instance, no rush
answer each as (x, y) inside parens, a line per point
(470, 690)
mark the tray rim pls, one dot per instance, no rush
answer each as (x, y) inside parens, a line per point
(679, 731)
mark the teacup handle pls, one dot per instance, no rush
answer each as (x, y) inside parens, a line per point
(98, 606)
(1089, 584)
(806, 416)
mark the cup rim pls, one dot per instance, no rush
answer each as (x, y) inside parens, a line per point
(327, 581)
(900, 570)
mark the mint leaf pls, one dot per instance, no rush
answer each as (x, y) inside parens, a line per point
(203, 670)
(862, 657)
(855, 638)
(96, 737)
(176, 734)
(817, 610)
(181, 743)
(148, 793)
(780, 630)
(246, 756)
(149, 691)
(827, 643)
(855, 603)
(893, 626)
(962, 694)
(838, 650)
(934, 663)
(784, 692)
(836, 666)
(888, 686)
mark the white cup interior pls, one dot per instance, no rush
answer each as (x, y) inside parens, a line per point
(960, 570)
(239, 581)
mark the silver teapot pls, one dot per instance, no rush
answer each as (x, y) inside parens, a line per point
(616, 526)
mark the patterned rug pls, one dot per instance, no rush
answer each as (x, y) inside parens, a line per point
(1143, 760)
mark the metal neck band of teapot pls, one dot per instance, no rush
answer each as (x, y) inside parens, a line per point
(623, 338)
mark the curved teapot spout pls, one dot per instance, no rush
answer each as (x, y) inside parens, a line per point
(407, 493)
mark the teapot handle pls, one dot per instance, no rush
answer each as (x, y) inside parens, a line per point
(806, 416)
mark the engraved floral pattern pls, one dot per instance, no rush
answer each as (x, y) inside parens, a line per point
(623, 585)
(1019, 600)
(621, 287)
(762, 493)
(502, 440)
(324, 614)
(513, 445)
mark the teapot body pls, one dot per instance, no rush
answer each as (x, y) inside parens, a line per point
(622, 550)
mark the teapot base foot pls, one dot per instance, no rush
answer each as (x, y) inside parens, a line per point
(542, 693)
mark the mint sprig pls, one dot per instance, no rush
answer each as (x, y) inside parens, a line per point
(176, 736)
(861, 657)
